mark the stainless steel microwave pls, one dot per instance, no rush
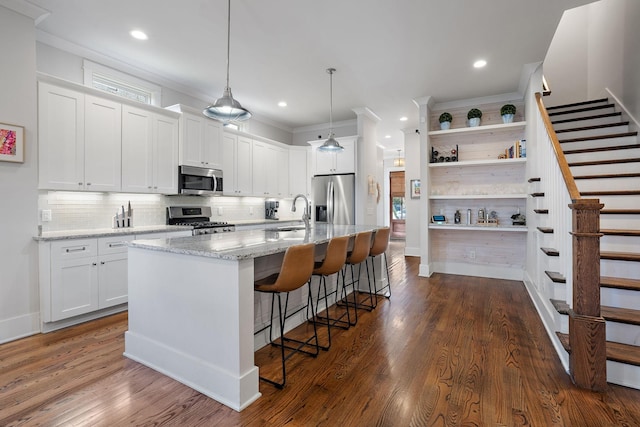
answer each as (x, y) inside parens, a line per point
(200, 181)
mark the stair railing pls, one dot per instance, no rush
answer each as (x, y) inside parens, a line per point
(587, 334)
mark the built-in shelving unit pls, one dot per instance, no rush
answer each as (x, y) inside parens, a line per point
(464, 227)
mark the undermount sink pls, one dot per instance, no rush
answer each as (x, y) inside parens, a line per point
(288, 228)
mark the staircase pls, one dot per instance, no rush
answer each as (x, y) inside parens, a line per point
(604, 159)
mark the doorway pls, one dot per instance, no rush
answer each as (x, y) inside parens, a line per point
(397, 204)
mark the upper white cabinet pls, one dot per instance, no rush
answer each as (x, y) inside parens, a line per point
(270, 170)
(91, 141)
(200, 138)
(237, 164)
(299, 168)
(79, 140)
(334, 163)
(149, 152)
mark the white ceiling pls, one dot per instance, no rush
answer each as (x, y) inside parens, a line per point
(386, 52)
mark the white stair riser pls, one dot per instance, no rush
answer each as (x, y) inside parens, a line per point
(556, 108)
(620, 243)
(560, 292)
(631, 183)
(606, 168)
(603, 155)
(622, 269)
(619, 202)
(592, 132)
(623, 333)
(620, 222)
(582, 123)
(623, 374)
(622, 298)
(580, 114)
(597, 143)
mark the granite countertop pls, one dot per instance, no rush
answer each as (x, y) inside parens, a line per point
(108, 232)
(248, 244)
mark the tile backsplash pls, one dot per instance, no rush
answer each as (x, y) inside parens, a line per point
(85, 210)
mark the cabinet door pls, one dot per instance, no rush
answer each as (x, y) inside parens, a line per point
(282, 162)
(74, 287)
(102, 144)
(298, 172)
(229, 143)
(244, 165)
(60, 138)
(165, 155)
(262, 163)
(325, 163)
(345, 160)
(112, 280)
(137, 150)
(192, 140)
(212, 143)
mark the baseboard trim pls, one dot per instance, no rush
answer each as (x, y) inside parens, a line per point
(19, 327)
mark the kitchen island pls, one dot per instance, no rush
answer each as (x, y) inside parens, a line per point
(191, 305)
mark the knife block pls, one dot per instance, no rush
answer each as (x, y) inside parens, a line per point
(122, 221)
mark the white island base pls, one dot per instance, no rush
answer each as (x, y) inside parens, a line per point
(189, 320)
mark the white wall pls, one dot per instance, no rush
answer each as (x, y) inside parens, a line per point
(320, 132)
(412, 171)
(19, 297)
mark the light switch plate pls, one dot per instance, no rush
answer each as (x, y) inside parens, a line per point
(45, 215)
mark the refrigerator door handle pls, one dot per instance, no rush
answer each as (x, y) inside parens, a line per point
(330, 202)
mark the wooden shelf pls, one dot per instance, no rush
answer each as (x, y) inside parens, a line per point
(477, 196)
(483, 162)
(479, 129)
(510, 228)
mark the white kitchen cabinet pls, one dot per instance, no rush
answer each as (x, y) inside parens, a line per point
(79, 140)
(149, 151)
(200, 138)
(335, 163)
(237, 166)
(270, 170)
(299, 168)
(282, 162)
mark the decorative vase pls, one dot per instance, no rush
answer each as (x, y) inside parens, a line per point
(474, 122)
(445, 125)
(507, 118)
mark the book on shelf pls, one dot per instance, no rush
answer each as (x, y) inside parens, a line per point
(517, 150)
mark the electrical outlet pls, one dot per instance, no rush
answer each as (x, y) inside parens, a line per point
(45, 215)
(250, 210)
(472, 254)
(219, 210)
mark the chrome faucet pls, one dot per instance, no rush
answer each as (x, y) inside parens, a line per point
(306, 215)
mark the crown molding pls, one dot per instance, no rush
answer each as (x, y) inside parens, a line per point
(27, 9)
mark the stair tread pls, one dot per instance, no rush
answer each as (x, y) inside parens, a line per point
(556, 277)
(620, 212)
(620, 256)
(547, 230)
(619, 232)
(578, 104)
(610, 193)
(619, 352)
(612, 314)
(594, 127)
(620, 283)
(609, 175)
(602, 149)
(597, 137)
(606, 162)
(581, 110)
(597, 116)
(536, 179)
(550, 251)
(541, 211)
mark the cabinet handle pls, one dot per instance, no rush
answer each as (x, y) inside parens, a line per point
(88, 183)
(79, 183)
(149, 187)
(155, 188)
(76, 249)
(94, 264)
(116, 245)
(101, 262)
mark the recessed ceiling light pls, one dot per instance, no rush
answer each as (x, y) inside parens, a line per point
(139, 35)
(282, 104)
(479, 63)
(403, 119)
(387, 136)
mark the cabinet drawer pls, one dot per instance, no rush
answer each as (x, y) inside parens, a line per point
(72, 249)
(113, 245)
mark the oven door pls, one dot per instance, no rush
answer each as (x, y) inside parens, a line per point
(200, 181)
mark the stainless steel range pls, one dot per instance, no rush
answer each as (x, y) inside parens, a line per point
(197, 217)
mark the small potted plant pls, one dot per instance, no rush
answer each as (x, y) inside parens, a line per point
(474, 115)
(507, 111)
(445, 120)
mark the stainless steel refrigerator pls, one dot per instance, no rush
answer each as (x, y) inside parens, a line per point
(334, 199)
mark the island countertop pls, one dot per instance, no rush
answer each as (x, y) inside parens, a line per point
(249, 244)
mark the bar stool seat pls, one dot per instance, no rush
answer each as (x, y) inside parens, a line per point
(357, 256)
(379, 247)
(295, 272)
(334, 259)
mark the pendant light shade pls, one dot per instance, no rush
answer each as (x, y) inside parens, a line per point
(331, 145)
(227, 109)
(398, 161)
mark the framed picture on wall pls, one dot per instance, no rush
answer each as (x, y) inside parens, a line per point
(11, 143)
(415, 188)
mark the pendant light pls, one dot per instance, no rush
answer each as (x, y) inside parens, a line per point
(331, 145)
(227, 109)
(398, 161)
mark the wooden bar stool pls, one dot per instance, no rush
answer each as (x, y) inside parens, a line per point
(295, 272)
(379, 247)
(358, 255)
(333, 262)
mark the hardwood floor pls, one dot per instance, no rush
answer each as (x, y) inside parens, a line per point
(444, 351)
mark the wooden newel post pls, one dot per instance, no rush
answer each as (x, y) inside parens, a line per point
(587, 333)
